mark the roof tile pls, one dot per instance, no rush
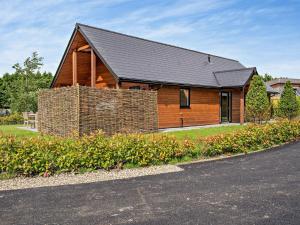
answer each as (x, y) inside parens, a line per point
(139, 59)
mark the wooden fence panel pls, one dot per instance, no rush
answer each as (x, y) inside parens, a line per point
(83, 110)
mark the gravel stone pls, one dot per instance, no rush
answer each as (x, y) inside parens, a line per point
(89, 177)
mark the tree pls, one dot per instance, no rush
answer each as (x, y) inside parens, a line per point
(288, 105)
(257, 101)
(267, 77)
(5, 88)
(21, 87)
(2, 95)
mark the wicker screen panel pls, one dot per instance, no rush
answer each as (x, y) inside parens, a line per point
(83, 110)
(58, 111)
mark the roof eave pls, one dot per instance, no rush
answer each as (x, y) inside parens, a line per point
(122, 79)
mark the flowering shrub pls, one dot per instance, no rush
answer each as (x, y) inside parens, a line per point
(11, 119)
(253, 137)
(38, 155)
(48, 155)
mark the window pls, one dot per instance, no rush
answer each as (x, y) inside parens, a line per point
(135, 88)
(184, 98)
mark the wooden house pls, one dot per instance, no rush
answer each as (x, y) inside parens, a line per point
(194, 88)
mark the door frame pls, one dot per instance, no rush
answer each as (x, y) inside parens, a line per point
(229, 103)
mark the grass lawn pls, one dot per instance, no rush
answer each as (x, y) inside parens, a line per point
(192, 134)
(205, 132)
(15, 131)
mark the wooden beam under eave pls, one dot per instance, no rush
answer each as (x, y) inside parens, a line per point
(83, 48)
(242, 106)
(93, 69)
(74, 67)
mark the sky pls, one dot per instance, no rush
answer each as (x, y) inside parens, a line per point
(261, 33)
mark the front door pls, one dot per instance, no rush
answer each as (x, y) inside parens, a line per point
(225, 107)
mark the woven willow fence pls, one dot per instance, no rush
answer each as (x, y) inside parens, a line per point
(82, 110)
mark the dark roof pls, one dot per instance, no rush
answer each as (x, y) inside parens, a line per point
(237, 77)
(271, 90)
(136, 59)
(283, 81)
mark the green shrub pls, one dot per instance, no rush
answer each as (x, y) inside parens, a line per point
(11, 119)
(44, 154)
(257, 101)
(288, 105)
(253, 137)
(37, 155)
(298, 102)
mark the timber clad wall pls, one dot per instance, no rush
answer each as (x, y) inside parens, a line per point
(84, 110)
(103, 76)
(127, 85)
(236, 94)
(204, 108)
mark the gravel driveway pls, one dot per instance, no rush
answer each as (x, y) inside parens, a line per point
(261, 188)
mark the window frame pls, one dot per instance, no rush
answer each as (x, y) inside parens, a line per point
(137, 87)
(188, 106)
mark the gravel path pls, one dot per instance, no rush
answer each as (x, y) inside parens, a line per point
(90, 177)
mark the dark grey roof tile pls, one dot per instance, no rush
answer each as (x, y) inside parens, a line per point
(237, 77)
(139, 59)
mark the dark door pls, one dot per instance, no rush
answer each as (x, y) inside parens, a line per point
(225, 107)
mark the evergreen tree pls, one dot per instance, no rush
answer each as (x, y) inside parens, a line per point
(257, 101)
(288, 105)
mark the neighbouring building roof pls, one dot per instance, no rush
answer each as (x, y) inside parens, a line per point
(283, 81)
(271, 90)
(137, 59)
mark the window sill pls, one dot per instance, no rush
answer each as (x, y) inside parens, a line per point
(185, 107)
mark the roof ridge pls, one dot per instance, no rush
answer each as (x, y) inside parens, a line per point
(157, 42)
(285, 79)
(247, 68)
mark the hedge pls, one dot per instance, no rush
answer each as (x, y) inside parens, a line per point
(49, 155)
(254, 137)
(38, 155)
(11, 119)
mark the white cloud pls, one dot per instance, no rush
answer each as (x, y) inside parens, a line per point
(215, 26)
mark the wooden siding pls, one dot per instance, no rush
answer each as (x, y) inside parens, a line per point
(236, 105)
(104, 79)
(64, 77)
(127, 85)
(204, 108)
(281, 85)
